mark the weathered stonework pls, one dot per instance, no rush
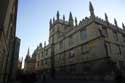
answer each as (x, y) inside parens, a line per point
(9, 46)
(92, 49)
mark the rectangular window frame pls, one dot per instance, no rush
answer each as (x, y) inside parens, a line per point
(83, 34)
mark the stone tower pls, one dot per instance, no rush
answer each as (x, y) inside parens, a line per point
(56, 27)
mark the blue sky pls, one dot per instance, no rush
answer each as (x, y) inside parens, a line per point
(34, 15)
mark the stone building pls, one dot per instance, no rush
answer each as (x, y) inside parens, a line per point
(14, 60)
(29, 65)
(8, 39)
(42, 59)
(91, 49)
(39, 50)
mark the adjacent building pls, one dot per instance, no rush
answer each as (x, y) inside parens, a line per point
(9, 43)
(29, 65)
(14, 59)
(94, 48)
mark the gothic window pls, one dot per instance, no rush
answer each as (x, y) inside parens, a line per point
(71, 54)
(115, 36)
(83, 35)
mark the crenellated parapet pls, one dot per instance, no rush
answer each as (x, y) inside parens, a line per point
(92, 18)
(70, 22)
(84, 21)
(107, 23)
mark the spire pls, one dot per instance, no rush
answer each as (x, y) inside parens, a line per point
(40, 44)
(44, 43)
(75, 21)
(53, 19)
(70, 19)
(57, 15)
(70, 16)
(91, 9)
(50, 23)
(63, 18)
(123, 26)
(28, 52)
(115, 21)
(106, 17)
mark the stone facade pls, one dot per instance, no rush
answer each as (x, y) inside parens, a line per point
(91, 49)
(8, 15)
(14, 59)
